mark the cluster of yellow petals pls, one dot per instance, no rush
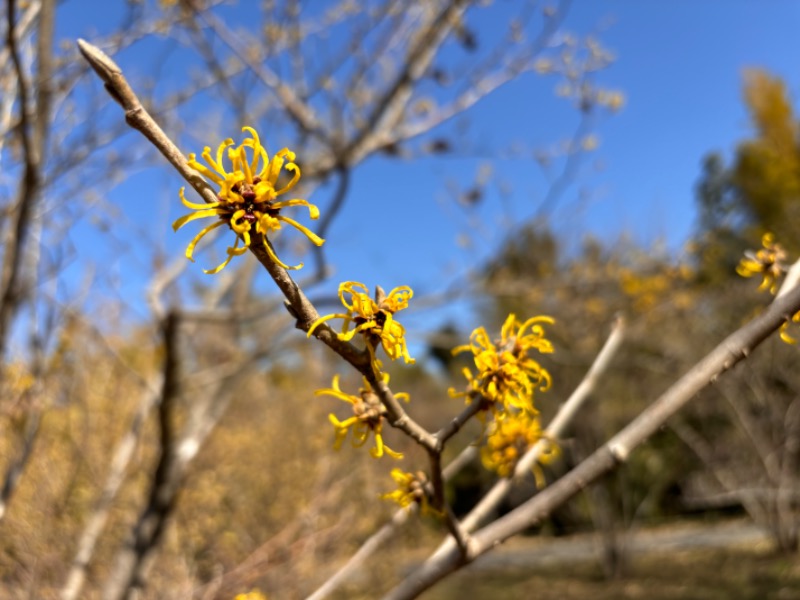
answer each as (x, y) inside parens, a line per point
(506, 376)
(253, 595)
(374, 318)
(509, 439)
(247, 198)
(368, 416)
(767, 263)
(410, 490)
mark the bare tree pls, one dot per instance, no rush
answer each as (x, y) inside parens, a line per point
(463, 545)
(347, 83)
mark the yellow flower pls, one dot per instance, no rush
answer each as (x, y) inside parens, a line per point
(247, 198)
(785, 327)
(410, 490)
(254, 595)
(368, 416)
(373, 318)
(767, 262)
(506, 377)
(508, 439)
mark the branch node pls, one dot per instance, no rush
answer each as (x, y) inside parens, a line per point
(291, 310)
(131, 114)
(619, 452)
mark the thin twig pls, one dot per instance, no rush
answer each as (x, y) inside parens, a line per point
(386, 112)
(34, 136)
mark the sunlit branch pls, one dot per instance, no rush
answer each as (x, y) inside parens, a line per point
(615, 452)
(23, 26)
(791, 280)
(500, 490)
(138, 118)
(297, 303)
(388, 109)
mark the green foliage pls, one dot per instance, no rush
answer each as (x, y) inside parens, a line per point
(766, 172)
(759, 191)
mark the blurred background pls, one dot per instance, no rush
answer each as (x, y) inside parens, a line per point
(159, 434)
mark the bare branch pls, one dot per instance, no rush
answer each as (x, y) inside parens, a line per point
(367, 549)
(791, 280)
(138, 118)
(116, 475)
(725, 356)
(33, 135)
(387, 110)
(553, 432)
(481, 88)
(147, 532)
(14, 472)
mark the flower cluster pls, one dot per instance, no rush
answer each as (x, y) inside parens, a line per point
(509, 439)
(410, 490)
(368, 416)
(247, 198)
(767, 262)
(506, 377)
(372, 318)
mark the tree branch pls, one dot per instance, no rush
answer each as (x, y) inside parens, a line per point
(727, 354)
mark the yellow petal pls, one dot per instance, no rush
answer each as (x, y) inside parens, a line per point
(316, 323)
(193, 205)
(234, 251)
(313, 211)
(308, 233)
(277, 260)
(204, 170)
(201, 214)
(204, 231)
(292, 167)
(258, 149)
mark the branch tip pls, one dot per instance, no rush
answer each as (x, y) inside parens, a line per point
(98, 60)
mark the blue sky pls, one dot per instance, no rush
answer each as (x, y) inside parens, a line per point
(679, 64)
